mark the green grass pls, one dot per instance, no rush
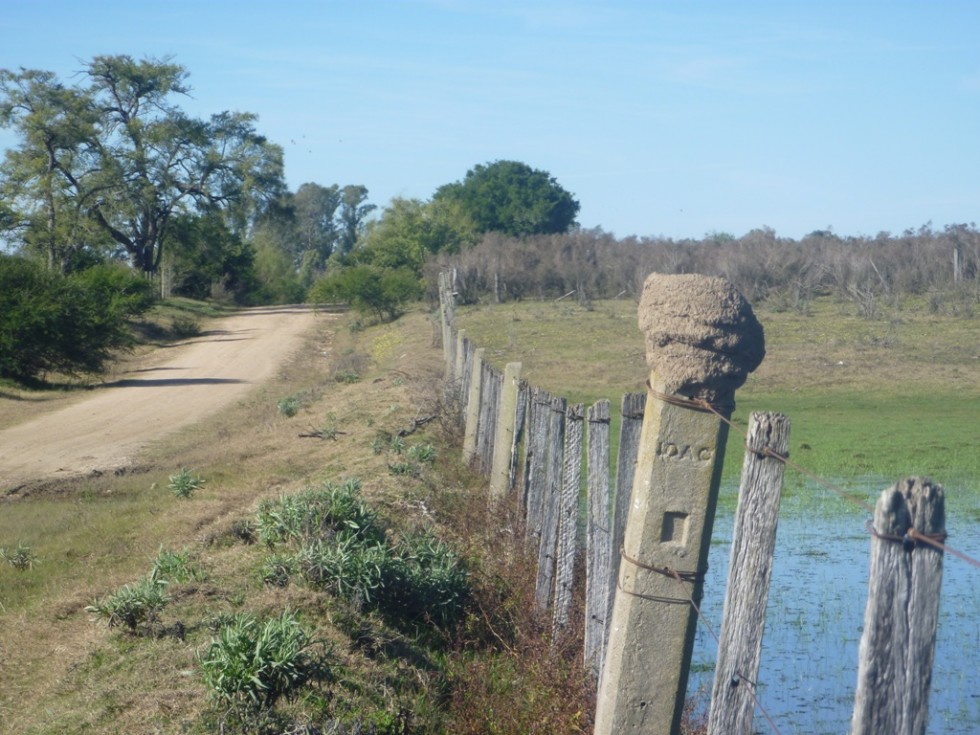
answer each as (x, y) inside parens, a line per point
(870, 401)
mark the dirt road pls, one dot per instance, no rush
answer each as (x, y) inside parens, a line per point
(186, 383)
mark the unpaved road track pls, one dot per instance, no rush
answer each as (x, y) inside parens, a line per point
(196, 378)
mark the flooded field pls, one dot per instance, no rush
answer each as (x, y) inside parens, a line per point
(814, 621)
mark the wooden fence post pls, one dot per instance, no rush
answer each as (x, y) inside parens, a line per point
(599, 574)
(473, 401)
(629, 449)
(702, 341)
(550, 505)
(487, 425)
(459, 368)
(536, 464)
(506, 431)
(447, 304)
(899, 639)
(568, 517)
(749, 573)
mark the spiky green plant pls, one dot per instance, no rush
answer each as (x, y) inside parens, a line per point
(252, 664)
(133, 605)
(184, 483)
(21, 558)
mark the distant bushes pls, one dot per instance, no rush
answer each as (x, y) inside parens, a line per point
(50, 323)
(787, 273)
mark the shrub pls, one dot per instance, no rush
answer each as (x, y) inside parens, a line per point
(67, 324)
(252, 664)
(185, 327)
(429, 582)
(184, 483)
(369, 289)
(288, 406)
(133, 605)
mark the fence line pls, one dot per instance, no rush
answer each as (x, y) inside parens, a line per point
(544, 460)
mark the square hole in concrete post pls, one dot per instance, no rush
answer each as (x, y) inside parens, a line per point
(674, 530)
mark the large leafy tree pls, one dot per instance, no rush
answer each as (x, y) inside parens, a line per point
(119, 155)
(55, 124)
(512, 198)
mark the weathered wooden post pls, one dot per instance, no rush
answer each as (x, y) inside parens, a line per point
(536, 464)
(503, 445)
(447, 308)
(548, 543)
(900, 620)
(749, 573)
(599, 548)
(473, 401)
(571, 481)
(702, 341)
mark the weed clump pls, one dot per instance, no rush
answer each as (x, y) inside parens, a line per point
(21, 558)
(136, 606)
(184, 483)
(251, 664)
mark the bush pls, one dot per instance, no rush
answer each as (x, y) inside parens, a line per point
(251, 665)
(66, 324)
(369, 289)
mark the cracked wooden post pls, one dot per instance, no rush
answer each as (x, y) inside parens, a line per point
(702, 342)
(902, 614)
(743, 619)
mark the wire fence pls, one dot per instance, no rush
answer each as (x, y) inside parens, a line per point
(534, 447)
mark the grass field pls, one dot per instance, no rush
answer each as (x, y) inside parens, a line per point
(869, 401)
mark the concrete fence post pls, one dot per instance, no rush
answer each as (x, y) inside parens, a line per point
(702, 341)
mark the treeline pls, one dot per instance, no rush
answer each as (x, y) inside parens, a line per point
(942, 265)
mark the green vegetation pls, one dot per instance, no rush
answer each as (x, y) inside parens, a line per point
(184, 483)
(369, 289)
(50, 323)
(252, 664)
(870, 400)
(511, 198)
(136, 606)
(21, 557)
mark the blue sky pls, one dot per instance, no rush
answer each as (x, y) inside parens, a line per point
(662, 117)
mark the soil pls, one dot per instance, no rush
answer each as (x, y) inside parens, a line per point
(171, 388)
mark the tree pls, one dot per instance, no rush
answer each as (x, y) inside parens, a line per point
(318, 231)
(120, 154)
(207, 259)
(512, 198)
(354, 210)
(55, 122)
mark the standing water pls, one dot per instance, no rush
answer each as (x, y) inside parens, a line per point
(814, 620)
